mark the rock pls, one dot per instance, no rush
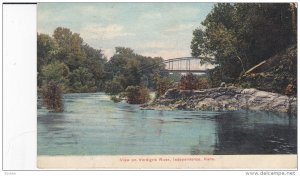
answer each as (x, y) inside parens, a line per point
(223, 84)
(171, 93)
(293, 105)
(225, 99)
(181, 106)
(276, 74)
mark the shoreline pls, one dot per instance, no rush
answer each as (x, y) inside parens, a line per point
(224, 99)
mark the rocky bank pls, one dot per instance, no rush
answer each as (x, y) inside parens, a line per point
(224, 99)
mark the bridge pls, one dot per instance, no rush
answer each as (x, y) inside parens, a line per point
(185, 64)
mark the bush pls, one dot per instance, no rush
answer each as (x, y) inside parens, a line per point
(188, 82)
(58, 72)
(203, 83)
(52, 97)
(137, 95)
(193, 82)
(162, 84)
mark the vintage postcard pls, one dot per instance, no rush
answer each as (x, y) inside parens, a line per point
(167, 85)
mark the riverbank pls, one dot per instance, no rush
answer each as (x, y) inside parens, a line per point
(224, 99)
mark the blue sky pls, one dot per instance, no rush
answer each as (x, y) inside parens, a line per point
(150, 29)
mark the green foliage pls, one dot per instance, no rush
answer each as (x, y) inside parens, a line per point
(132, 75)
(81, 80)
(198, 42)
(137, 94)
(70, 47)
(240, 35)
(58, 72)
(52, 97)
(215, 77)
(64, 53)
(45, 51)
(125, 67)
(95, 64)
(114, 86)
(77, 67)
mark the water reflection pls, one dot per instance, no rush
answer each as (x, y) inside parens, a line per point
(267, 133)
(94, 125)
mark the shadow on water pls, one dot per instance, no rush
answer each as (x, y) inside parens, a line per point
(55, 129)
(255, 136)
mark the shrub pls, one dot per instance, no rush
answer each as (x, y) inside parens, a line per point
(193, 82)
(58, 72)
(137, 94)
(203, 83)
(52, 97)
(188, 82)
(162, 84)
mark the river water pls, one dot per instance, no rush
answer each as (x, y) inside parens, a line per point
(93, 125)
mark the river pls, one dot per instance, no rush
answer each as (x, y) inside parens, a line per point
(93, 125)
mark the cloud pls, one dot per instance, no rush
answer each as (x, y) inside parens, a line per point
(108, 52)
(103, 32)
(151, 16)
(153, 29)
(158, 45)
(170, 12)
(100, 14)
(47, 15)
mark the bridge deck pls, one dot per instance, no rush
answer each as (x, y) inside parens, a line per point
(183, 65)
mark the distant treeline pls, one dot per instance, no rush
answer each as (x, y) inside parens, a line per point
(65, 59)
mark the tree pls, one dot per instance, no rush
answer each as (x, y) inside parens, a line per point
(114, 87)
(81, 80)
(58, 72)
(95, 63)
(116, 64)
(132, 74)
(198, 43)
(130, 66)
(66, 50)
(69, 47)
(45, 51)
(241, 35)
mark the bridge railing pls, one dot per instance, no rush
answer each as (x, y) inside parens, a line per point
(183, 64)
